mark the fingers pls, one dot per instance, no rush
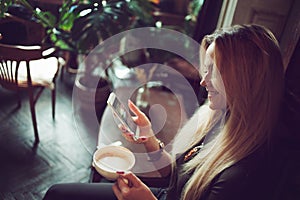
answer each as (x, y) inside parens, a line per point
(132, 179)
(128, 186)
(117, 191)
(123, 128)
(122, 187)
(129, 136)
(140, 118)
(134, 108)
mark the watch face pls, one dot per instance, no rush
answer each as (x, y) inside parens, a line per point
(161, 144)
(156, 155)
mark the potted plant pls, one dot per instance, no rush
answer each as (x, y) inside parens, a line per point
(95, 22)
(84, 24)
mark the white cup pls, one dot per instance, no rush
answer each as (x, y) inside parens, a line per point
(110, 159)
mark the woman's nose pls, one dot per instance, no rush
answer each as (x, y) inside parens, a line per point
(202, 82)
(205, 80)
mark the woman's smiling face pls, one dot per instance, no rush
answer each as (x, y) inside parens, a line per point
(212, 80)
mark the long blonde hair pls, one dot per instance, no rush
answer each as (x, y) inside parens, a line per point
(250, 63)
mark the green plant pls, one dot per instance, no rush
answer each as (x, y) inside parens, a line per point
(83, 24)
(98, 21)
(191, 18)
(4, 4)
(46, 18)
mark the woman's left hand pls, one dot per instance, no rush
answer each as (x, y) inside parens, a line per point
(130, 187)
(142, 122)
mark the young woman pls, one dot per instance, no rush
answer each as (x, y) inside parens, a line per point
(225, 151)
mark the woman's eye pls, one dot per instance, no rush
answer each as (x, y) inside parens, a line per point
(208, 69)
(203, 73)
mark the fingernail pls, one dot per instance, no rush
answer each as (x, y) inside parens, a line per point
(129, 133)
(143, 138)
(120, 172)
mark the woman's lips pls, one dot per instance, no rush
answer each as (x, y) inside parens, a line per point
(211, 94)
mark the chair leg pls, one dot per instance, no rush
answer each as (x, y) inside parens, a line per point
(19, 100)
(62, 73)
(53, 93)
(33, 116)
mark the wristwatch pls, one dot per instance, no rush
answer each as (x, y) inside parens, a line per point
(156, 155)
(160, 143)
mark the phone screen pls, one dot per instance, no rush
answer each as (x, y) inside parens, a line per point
(122, 113)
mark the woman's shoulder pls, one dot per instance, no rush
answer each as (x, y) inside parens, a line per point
(249, 178)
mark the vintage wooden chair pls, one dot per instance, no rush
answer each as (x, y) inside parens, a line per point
(29, 68)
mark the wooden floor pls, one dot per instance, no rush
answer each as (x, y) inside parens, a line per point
(26, 170)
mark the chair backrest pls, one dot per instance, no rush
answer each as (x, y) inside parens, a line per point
(10, 58)
(20, 53)
(22, 31)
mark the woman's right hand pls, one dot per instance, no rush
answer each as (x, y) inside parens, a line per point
(147, 138)
(142, 122)
(129, 187)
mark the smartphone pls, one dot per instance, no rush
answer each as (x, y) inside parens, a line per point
(123, 114)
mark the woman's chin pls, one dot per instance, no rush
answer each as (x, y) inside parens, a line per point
(216, 105)
(212, 106)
